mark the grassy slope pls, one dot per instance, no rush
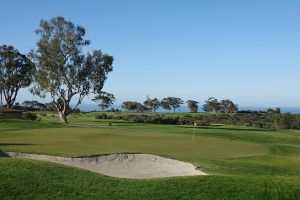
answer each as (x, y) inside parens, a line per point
(272, 176)
(41, 180)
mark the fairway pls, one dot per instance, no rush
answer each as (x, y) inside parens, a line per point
(90, 141)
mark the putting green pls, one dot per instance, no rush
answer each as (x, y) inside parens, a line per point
(87, 141)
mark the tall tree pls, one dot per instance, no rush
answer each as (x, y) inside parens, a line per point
(227, 106)
(15, 73)
(170, 103)
(105, 100)
(193, 105)
(129, 105)
(211, 105)
(152, 104)
(63, 70)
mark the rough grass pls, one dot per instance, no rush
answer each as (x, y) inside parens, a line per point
(272, 172)
(25, 179)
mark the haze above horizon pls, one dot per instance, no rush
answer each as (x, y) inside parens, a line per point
(245, 51)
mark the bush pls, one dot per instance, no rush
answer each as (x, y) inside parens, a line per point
(101, 116)
(186, 121)
(202, 122)
(254, 119)
(30, 116)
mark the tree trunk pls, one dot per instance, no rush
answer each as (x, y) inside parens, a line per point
(63, 117)
(9, 104)
(10, 97)
(1, 100)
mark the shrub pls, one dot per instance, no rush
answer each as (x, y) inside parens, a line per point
(202, 122)
(169, 120)
(187, 120)
(101, 116)
(117, 117)
(30, 116)
(254, 119)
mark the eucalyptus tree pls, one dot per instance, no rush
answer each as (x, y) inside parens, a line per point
(15, 73)
(227, 106)
(63, 70)
(134, 106)
(152, 104)
(105, 99)
(211, 105)
(192, 105)
(170, 103)
(129, 105)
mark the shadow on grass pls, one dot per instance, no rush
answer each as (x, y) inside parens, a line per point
(226, 128)
(121, 123)
(13, 144)
(3, 155)
(112, 121)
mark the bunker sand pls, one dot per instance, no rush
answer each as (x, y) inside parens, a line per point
(122, 165)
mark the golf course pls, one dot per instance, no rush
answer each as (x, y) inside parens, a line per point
(240, 162)
(138, 100)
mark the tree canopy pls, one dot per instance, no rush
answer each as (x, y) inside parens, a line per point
(192, 105)
(15, 73)
(134, 106)
(105, 99)
(152, 104)
(63, 70)
(170, 103)
(211, 105)
(225, 106)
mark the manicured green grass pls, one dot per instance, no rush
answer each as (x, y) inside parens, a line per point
(87, 141)
(243, 163)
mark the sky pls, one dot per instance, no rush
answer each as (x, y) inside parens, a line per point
(247, 51)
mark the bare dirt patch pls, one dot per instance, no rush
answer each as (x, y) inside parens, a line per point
(122, 165)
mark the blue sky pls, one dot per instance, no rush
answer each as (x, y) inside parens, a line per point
(248, 51)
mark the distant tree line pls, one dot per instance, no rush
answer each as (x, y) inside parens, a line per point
(172, 103)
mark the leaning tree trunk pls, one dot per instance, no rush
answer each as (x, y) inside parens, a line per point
(63, 117)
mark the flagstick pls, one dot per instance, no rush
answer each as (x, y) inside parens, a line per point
(194, 131)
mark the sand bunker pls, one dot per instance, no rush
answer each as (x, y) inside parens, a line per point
(123, 165)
